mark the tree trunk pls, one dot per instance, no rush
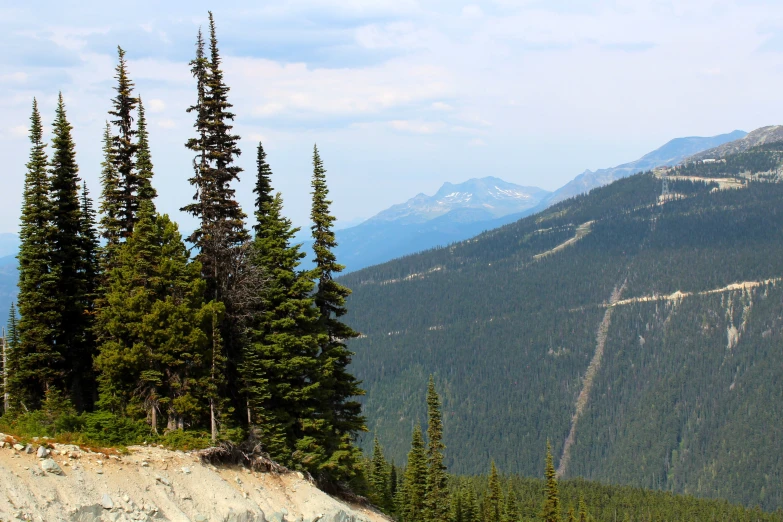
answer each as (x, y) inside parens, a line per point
(6, 396)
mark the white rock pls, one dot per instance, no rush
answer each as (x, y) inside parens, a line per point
(185, 470)
(18, 447)
(106, 502)
(50, 466)
(42, 452)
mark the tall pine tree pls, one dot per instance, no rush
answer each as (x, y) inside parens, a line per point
(124, 149)
(437, 495)
(338, 387)
(67, 265)
(221, 237)
(39, 364)
(380, 486)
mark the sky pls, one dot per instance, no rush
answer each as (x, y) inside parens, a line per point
(399, 95)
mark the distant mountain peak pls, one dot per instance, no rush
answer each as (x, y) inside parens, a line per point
(493, 195)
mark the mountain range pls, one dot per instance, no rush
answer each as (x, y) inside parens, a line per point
(638, 333)
(460, 211)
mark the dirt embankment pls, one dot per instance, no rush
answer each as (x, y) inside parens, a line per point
(154, 484)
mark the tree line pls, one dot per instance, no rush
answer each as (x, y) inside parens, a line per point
(118, 324)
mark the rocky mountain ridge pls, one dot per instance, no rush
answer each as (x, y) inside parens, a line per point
(62, 482)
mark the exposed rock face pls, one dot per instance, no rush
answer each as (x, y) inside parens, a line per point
(770, 134)
(81, 486)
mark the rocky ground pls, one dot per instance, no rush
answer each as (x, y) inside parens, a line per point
(58, 482)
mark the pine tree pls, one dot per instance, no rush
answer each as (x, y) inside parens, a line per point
(551, 509)
(279, 365)
(380, 488)
(414, 485)
(437, 496)
(90, 247)
(338, 387)
(39, 364)
(582, 509)
(221, 238)
(67, 264)
(457, 512)
(494, 499)
(124, 149)
(570, 515)
(111, 209)
(511, 511)
(144, 167)
(470, 509)
(10, 348)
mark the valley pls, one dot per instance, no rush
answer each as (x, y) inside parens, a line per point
(642, 350)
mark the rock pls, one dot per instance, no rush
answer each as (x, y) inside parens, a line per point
(277, 517)
(163, 480)
(185, 470)
(29, 449)
(50, 466)
(200, 518)
(144, 464)
(42, 452)
(106, 502)
(90, 513)
(99, 471)
(125, 498)
(18, 447)
(340, 516)
(247, 516)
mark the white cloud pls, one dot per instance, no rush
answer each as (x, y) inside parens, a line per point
(155, 105)
(440, 106)
(167, 124)
(15, 77)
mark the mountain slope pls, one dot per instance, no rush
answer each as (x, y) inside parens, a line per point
(671, 153)
(686, 393)
(769, 134)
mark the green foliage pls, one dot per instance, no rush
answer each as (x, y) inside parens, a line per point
(144, 158)
(550, 512)
(124, 149)
(380, 480)
(338, 389)
(410, 505)
(436, 497)
(38, 364)
(110, 225)
(68, 265)
(154, 355)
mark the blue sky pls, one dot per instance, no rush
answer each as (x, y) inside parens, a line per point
(400, 95)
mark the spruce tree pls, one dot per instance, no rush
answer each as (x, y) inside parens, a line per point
(124, 149)
(380, 488)
(470, 509)
(221, 238)
(110, 208)
(511, 510)
(154, 345)
(279, 365)
(437, 495)
(39, 364)
(494, 499)
(90, 247)
(338, 387)
(550, 511)
(414, 485)
(67, 265)
(144, 167)
(570, 515)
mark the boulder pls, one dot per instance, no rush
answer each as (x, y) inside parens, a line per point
(29, 449)
(50, 466)
(90, 513)
(42, 452)
(18, 447)
(106, 502)
(247, 516)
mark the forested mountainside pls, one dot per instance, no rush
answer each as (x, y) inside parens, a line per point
(645, 331)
